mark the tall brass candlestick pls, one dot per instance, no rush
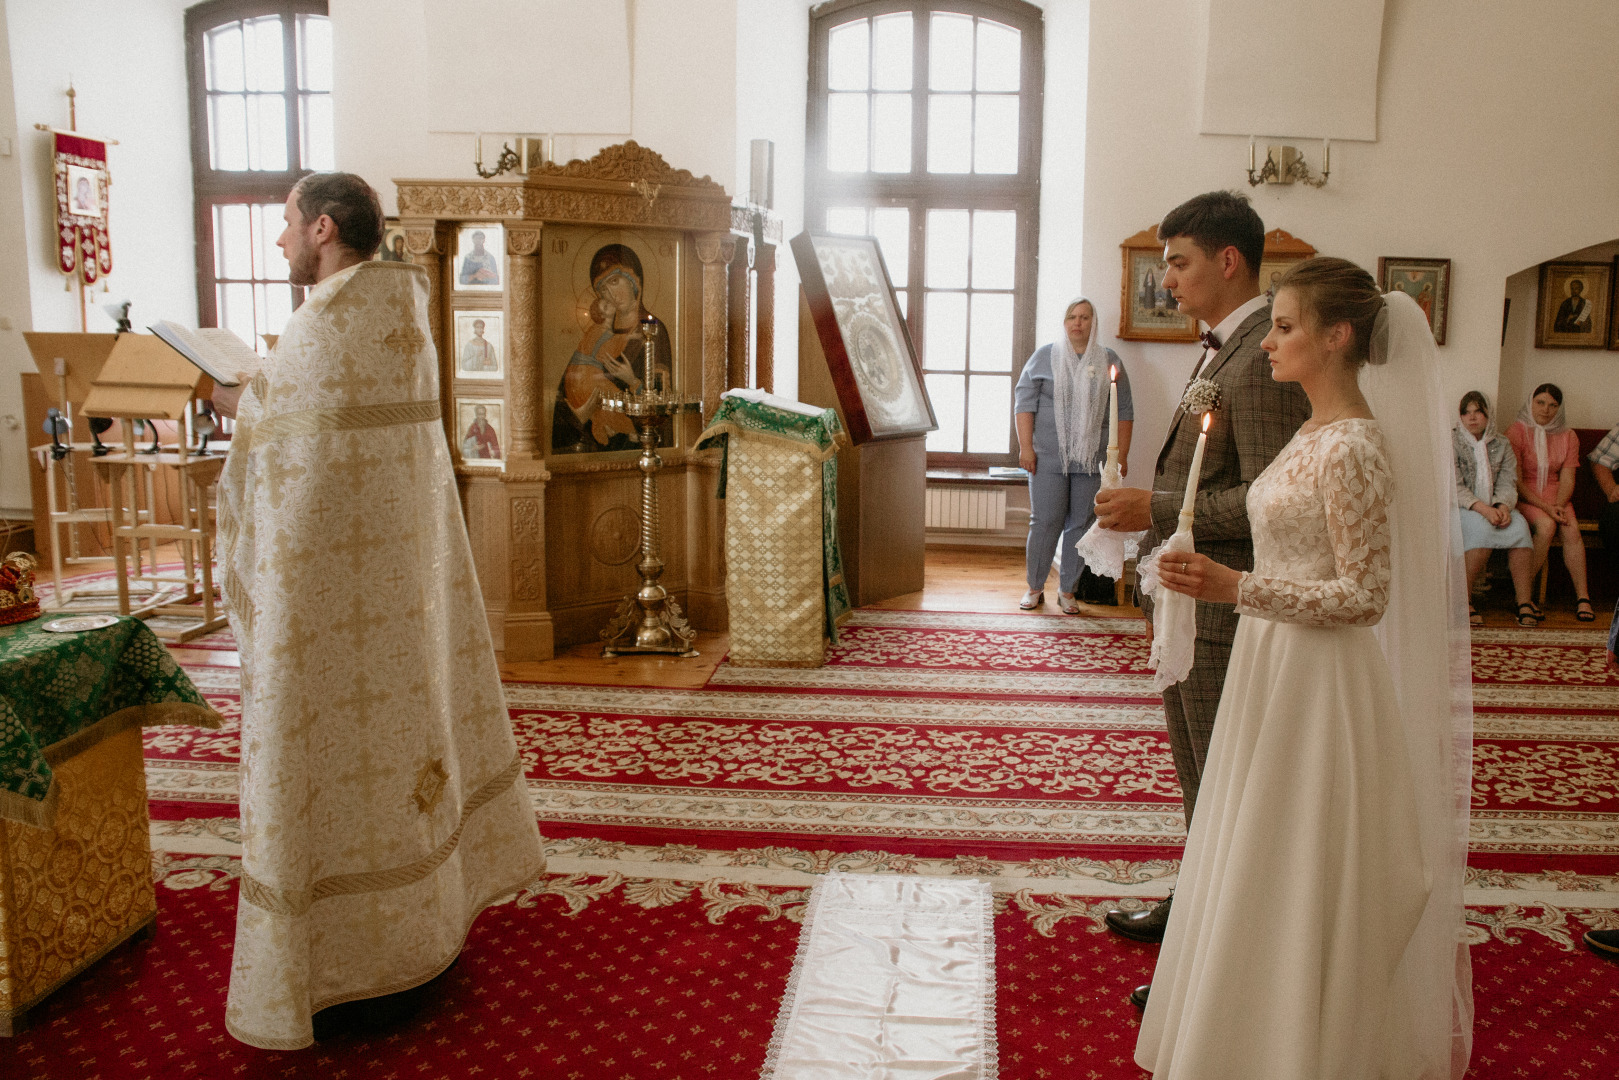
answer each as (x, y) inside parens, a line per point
(650, 621)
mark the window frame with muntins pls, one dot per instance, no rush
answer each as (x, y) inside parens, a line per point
(216, 188)
(919, 190)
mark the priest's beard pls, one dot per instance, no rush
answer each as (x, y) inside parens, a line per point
(303, 267)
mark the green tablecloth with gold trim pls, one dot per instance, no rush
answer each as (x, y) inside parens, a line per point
(62, 693)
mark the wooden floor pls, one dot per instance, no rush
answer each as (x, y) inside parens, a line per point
(986, 580)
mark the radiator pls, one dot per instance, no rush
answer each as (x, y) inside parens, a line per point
(973, 508)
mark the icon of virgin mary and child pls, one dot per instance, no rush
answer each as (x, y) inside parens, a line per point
(610, 359)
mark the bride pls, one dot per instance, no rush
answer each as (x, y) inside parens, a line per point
(1318, 916)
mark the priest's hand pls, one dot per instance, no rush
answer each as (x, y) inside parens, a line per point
(1124, 509)
(1199, 577)
(226, 398)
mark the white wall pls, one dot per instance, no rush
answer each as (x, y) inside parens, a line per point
(14, 309)
(772, 84)
(127, 62)
(707, 77)
(1496, 149)
(1062, 171)
(1589, 378)
(683, 60)
(685, 104)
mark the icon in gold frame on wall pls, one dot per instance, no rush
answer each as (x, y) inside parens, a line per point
(1146, 310)
(1573, 309)
(480, 430)
(610, 281)
(1613, 323)
(392, 248)
(1282, 250)
(1427, 281)
(480, 344)
(480, 258)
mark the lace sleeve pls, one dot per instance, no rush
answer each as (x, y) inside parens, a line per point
(1354, 485)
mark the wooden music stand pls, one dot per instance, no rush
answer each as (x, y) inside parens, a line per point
(68, 365)
(145, 378)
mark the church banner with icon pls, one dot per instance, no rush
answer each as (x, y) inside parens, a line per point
(82, 183)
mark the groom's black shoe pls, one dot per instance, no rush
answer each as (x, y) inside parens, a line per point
(1145, 926)
(1603, 943)
(1138, 996)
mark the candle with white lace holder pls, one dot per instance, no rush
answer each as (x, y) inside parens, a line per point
(1192, 477)
(1103, 550)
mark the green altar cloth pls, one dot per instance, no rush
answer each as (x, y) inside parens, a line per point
(784, 572)
(62, 693)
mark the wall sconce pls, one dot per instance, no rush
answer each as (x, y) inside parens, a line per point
(508, 160)
(1284, 165)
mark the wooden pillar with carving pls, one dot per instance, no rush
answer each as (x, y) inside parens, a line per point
(523, 346)
(739, 300)
(428, 244)
(715, 250)
(764, 345)
(527, 630)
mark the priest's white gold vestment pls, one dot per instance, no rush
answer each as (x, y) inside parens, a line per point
(382, 796)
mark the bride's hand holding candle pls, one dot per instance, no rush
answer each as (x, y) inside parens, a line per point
(1199, 577)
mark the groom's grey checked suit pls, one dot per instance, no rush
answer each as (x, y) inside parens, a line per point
(1255, 418)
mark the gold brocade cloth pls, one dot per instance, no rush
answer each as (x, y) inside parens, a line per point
(784, 573)
(382, 797)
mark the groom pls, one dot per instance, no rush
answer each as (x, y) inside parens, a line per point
(1213, 245)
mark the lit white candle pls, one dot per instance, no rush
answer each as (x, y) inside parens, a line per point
(1197, 469)
(1326, 156)
(1112, 418)
(1113, 407)
(1250, 153)
(477, 151)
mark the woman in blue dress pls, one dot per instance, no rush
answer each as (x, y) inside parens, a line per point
(1061, 411)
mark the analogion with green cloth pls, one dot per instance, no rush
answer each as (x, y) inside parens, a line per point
(784, 574)
(62, 693)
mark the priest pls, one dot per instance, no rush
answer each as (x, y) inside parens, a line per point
(382, 796)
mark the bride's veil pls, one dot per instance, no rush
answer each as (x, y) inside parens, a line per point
(1425, 639)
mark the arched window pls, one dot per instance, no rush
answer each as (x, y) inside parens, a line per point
(924, 131)
(261, 116)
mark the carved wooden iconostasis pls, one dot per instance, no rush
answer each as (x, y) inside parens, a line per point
(540, 285)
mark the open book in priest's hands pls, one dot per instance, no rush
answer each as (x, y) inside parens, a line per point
(219, 353)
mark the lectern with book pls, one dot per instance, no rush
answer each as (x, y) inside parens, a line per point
(154, 377)
(68, 364)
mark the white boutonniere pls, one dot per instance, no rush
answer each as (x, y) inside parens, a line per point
(1202, 395)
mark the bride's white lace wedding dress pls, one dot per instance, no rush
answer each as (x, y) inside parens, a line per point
(1303, 878)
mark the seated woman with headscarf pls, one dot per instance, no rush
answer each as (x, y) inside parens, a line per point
(1486, 494)
(1062, 416)
(610, 359)
(1548, 460)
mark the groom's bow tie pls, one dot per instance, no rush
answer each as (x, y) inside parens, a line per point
(1210, 342)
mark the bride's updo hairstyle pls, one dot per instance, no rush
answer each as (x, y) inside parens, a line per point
(1332, 291)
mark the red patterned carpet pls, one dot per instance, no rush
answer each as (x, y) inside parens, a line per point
(684, 828)
(585, 981)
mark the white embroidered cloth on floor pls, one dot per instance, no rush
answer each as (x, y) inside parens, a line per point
(382, 796)
(1174, 615)
(1105, 550)
(895, 977)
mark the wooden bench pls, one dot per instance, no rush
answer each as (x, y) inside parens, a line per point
(1588, 501)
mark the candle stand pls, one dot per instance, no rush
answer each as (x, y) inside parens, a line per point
(649, 621)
